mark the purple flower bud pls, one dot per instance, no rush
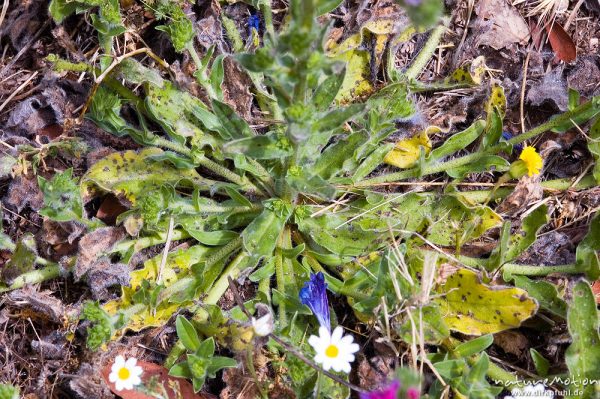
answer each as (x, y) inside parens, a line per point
(314, 295)
(389, 392)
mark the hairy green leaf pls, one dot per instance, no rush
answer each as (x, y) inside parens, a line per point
(583, 355)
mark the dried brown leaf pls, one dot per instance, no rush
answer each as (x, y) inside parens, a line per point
(89, 384)
(501, 24)
(105, 274)
(24, 191)
(512, 342)
(561, 43)
(236, 93)
(110, 208)
(93, 246)
(527, 191)
(41, 302)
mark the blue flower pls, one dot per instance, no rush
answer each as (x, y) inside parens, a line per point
(314, 295)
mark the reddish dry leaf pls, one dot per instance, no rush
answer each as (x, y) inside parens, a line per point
(562, 44)
(162, 374)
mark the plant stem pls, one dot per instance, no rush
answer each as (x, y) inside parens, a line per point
(229, 175)
(201, 76)
(221, 285)
(425, 54)
(171, 145)
(232, 32)
(548, 185)
(146, 242)
(223, 252)
(229, 209)
(279, 276)
(553, 122)
(33, 277)
(265, 8)
(208, 164)
(528, 270)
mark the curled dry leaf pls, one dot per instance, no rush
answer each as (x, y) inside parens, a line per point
(106, 274)
(235, 89)
(154, 374)
(561, 42)
(22, 192)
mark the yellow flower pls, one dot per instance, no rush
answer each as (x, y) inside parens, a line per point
(532, 160)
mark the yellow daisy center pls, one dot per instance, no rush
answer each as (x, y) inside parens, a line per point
(123, 373)
(532, 160)
(332, 351)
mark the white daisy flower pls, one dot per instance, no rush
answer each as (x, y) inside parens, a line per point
(537, 391)
(125, 374)
(334, 351)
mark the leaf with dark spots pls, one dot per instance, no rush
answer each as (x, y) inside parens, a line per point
(130, 175)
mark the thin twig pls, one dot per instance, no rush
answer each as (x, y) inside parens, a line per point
(165, 253)
(21, 87)
(572, 15)
(523, 84)
(3, 13)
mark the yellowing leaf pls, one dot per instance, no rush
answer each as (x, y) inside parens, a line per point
(456, 222)
(176, 268)
(407, 151)
(497, 100)
(469, 74)
(358, 69)
(356, 81)
(473, 308)
(130, 174)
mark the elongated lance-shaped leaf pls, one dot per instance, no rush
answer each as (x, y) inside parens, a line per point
(583, 355)
(458, 141)
(260, 237)
(587, 251)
